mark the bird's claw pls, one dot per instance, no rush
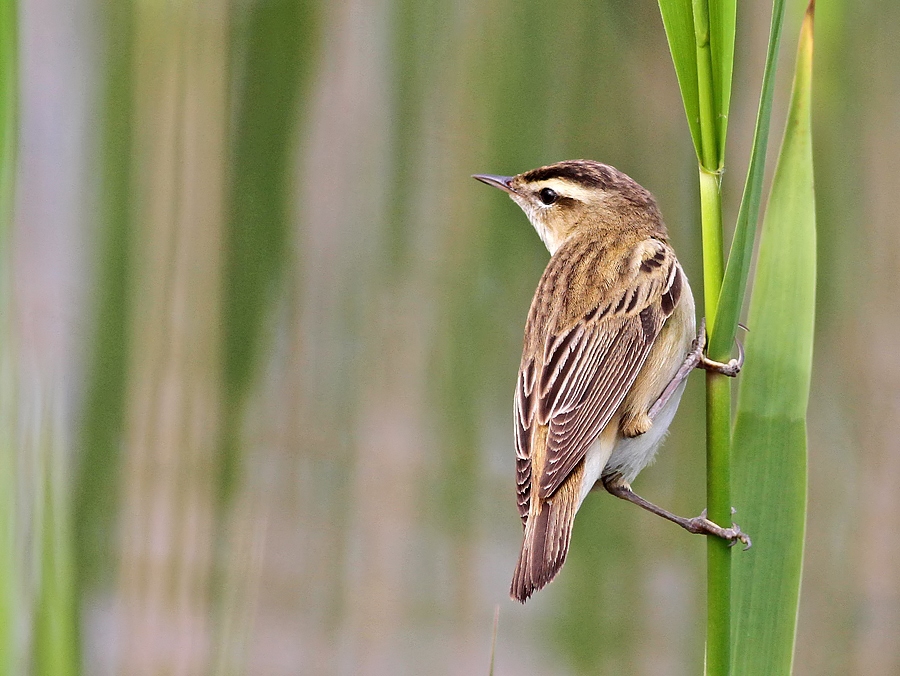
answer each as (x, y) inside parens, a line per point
(701, 524)
(730, 368)
(738, 535)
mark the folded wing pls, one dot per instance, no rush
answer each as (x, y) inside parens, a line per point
(576, 370)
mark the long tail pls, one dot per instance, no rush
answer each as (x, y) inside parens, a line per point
(546, 543)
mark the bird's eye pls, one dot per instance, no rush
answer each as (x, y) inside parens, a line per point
(548, 196)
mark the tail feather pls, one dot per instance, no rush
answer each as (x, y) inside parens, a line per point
(546, 543)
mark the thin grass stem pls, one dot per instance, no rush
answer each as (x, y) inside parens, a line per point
(718, 500)
(718, 389)
(711, 230)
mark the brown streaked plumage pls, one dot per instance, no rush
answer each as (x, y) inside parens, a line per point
(610, 324)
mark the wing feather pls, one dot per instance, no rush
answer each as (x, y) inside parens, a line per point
(576, 370)
(571, 434)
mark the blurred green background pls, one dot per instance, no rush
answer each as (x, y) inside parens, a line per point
(265, 330)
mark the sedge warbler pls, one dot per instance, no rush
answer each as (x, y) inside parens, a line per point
(609, 342)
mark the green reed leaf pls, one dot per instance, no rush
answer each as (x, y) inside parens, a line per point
(770, 466)
(737, 270)
(678, 19)
(722, 18)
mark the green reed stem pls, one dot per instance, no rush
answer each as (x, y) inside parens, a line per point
(718, 389)
(718, 442)
(718, 497)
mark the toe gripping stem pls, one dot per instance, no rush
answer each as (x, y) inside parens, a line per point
(730, 368)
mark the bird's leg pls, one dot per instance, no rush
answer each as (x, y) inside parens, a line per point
(690, 363)
(731, 368)
(699, 524)
(696, 359)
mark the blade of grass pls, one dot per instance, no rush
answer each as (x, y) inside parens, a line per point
(718, 416)
(770, 428)
(722, 18)
(731, 297)
(8, 413)
(701, 40)
(678, 20)
(709, 140)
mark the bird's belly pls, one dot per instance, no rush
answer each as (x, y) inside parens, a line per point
(630, 455)
(614, 454)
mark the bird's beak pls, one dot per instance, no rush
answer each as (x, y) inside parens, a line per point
(502, 182)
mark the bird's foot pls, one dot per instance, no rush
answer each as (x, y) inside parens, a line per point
(730, 368)
(701, 525)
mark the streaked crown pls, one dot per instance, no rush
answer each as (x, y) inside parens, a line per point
(575, 195)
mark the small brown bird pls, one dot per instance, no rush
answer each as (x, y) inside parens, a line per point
(609, 342)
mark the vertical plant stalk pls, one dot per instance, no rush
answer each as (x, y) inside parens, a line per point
(718, 435)
(718, 389)
(8, 416)
(718, 442)
(718, 499)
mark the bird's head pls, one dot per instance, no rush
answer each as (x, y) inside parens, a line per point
(569, 197)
